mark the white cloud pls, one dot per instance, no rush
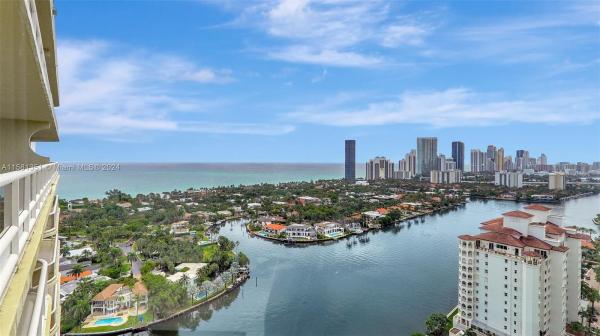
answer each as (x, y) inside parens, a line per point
(238, 128)
(110, 90)
(331, 32)
(330, 57)
(452, 108)
(177, 69)
(529, 38)
(397, 35)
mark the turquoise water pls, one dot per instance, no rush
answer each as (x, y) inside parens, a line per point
(387, 285)
(133, 178)
(109, 320)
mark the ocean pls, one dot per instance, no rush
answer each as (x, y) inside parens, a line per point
(93, 180)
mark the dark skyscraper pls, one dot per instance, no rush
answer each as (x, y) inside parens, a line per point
(350, 167)
(458, 154)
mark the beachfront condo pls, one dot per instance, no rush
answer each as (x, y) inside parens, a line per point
(520, 276)
(29, 249)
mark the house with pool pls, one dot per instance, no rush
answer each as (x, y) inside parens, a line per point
(330, 229)
(115, 303)
(301, 231)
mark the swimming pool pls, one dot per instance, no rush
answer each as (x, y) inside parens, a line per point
(109, 321)
(335, 234)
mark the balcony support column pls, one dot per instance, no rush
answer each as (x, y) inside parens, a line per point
(15, 144)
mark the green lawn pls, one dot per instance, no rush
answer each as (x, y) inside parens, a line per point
(132, 321)
(449, 323)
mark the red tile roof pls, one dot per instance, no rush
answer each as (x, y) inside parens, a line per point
(494, 221)
(276, 227)
(554, 229)
(537, 207)
(518, 213)
(107, 292)
(501, 238)
(581, 236)
(496, 226)
(466, 237)
(534, 242)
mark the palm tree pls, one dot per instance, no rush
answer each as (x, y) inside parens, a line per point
(436, 324)
(86, 254)
(76, 271)
(131, 257)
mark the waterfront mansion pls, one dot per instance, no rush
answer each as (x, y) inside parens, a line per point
(520, 276)
(118, 297)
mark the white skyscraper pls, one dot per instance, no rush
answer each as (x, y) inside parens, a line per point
(520, 276)
(379, 168)
(477, 161)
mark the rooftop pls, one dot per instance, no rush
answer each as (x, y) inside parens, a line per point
(518, 214)
(537, 207)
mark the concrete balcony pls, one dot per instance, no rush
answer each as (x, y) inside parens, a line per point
(49, 251)
(34, 315)
(27, 198)
(51, 228)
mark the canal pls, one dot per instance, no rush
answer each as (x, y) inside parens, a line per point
(385, 284)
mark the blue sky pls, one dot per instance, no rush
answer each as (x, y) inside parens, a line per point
(288, 81)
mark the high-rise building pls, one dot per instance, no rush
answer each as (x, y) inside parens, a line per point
(522, 159)
(426, 155)
(477, 161)
(509, 179)
(379, 168)
(410, 160)
(542, 160)
(500, 159)
(29, 212)
(350, 162)
(441, 162)
(490, 158)
(458, 154)
(519, 276)
(508, 163)
(557, 181)
(445, 177)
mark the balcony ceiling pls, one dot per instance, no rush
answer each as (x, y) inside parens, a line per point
(23, 91)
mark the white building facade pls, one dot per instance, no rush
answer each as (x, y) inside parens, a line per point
(445, 177)
(557, 181)
(520, 276)
(509, 179)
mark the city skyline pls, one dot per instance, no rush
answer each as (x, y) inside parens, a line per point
(244, 82)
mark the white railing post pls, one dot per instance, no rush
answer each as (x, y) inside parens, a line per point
(12, 198)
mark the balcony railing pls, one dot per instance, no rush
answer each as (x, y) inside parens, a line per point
(53, 219)
(39, 45)
(22, 195)
(38, 314)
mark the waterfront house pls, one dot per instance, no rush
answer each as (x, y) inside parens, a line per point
(180, 228)
(371, 218)
(275, 229)
(330, 229)
(118, 297)
(190, 270)
(304, 200)
(301, 231)
(264, 220)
